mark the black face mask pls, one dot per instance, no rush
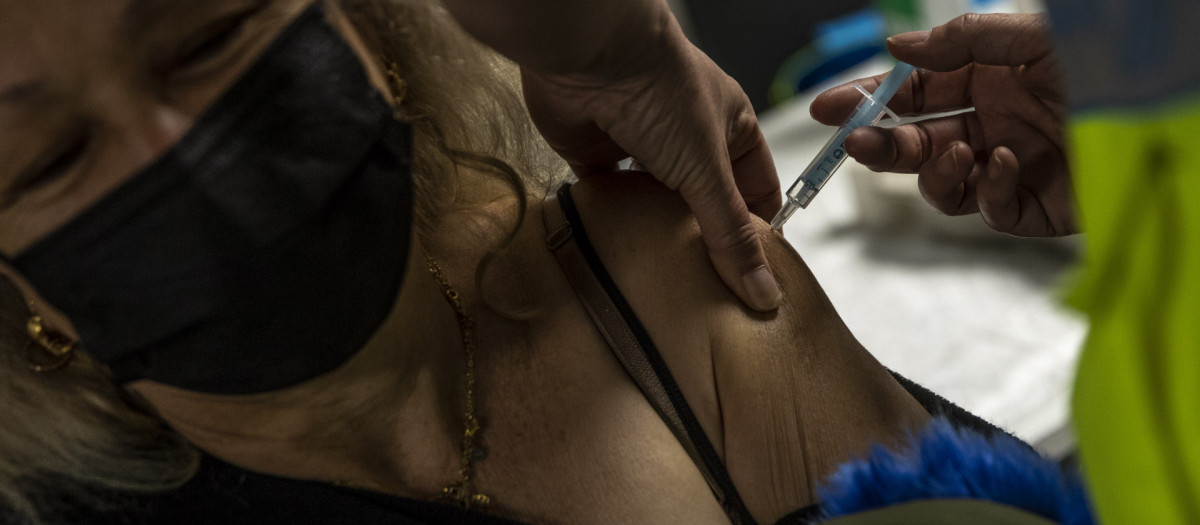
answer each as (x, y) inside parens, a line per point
(264, 248)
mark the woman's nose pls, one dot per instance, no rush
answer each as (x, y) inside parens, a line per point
(160, 126)
(142, 122)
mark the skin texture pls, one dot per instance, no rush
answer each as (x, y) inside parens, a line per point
(1006, 159)
(608, 80)
(792, 391)
(784, 395)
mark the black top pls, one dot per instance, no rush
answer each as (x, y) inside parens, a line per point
(230, 495)
(224, 494)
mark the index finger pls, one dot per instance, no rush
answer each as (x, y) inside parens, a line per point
(992, 40)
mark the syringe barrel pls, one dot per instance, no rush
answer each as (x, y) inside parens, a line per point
(833, 154)
(868, 112)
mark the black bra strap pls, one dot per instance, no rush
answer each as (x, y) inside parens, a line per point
(632, 346)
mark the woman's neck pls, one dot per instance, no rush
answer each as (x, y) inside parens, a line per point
(387, 419)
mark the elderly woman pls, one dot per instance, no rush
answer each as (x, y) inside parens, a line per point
(288, 261)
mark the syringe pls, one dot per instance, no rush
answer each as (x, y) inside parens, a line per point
(868, 112)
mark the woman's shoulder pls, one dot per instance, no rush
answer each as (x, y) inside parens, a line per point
(785, 396)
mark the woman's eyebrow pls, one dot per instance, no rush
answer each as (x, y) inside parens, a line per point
(141, 16)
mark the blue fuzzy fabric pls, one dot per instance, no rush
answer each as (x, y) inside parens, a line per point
(948, 462)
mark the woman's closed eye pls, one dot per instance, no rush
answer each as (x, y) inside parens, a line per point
(50, 167)
(203, 47)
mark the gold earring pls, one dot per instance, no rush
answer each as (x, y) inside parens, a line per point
(395, 81)
(48, 349)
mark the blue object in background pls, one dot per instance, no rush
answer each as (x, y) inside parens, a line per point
(840, 44)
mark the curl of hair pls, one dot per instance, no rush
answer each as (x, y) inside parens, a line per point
(72, 435)
(464, 102)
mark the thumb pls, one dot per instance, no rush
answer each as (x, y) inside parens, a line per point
(994, 40)
(732, 240)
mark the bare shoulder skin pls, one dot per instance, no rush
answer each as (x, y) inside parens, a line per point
(784, 396)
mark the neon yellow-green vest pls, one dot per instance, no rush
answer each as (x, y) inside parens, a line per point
(1133, 76)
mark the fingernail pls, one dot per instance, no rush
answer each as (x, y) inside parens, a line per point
(910, 38)
(763, 291)
(996, 157)
(998, 169)
(952, 155)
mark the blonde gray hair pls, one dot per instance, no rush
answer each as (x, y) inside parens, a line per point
(72, 437)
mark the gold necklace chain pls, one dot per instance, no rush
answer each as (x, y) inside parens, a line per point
(462, 491)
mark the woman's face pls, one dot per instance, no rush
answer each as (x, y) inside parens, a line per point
(92, 91)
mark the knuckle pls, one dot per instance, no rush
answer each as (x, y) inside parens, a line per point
(962, 29)
(739, 245)
(692, 179)
(924, 142)
(917, 85)
(744, 132)
(685, 169)
(966, 24)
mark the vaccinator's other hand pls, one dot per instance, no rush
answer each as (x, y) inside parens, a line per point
(1006, 159)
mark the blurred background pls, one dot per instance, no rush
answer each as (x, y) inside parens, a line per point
(776, 48)
(972, 314)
